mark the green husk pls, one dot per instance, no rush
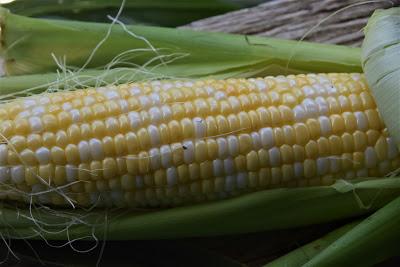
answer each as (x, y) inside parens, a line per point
(28, 45)
(156, 12)
(381, 64)
(303, 254)
(255, 212)
(372, 241)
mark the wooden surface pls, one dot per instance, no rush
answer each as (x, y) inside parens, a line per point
(334, 21)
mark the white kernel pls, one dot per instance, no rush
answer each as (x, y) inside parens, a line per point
(166, 157)
(66, 106)
(310, 107)
(139, 181)
(323, 106)
(36, 124)
(200, 127)
(274, 157)
(334, 164)
(172, 176)
(319, 89)
(75, 115)
(325, 125)
(88, 101)
(155, 98)
(188, 152)
(235, 103)
(134, 91)
(24, 114)
(134, 119)
(18, 174)
(261, 85)
(298, 170)
(322, 166)
(256, 140)
(166, 112)
(229, 166)
(362, 121)
(43, 155)
(96, 149)
(28, 103)
(44, 100)
(371, 159)
(218, 167)
(4, 174)
(155, 115)
(267, 137)
(154, 134)
(111, 94)
(223, 151)
(3, 154)
(71, 173)
(155, 158)
(233, 145)
(219, 95)
(229, 183)
(123, 104)
(241, 180)
(37, 111)
(299, 113)
(393, 152)
(84, 151)
(331, 89)
(308, 91)
(144, 101)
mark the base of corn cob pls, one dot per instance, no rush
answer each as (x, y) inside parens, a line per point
(167, 143)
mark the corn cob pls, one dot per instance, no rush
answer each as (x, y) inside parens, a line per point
(167, 143)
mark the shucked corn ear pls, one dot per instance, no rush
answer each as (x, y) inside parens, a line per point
(166, 143)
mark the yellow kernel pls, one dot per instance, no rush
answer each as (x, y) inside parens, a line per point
(212, 148)
(28, 157)
(310, 168)
(244, 121)
(381, 148)
(263, 157)
(49, 139)
(177, 153)
(50, 122)
(350, 121)
(367, 100)
(289, 134)
(252, 161)
(348, 142)
(338, 124)
(144, 162)
(312, 149)
(58, 155)
(61, 139)
(233, 122)
(200, 151)
(74, 133)
(240, 163)
(275, 116)
(206, 170)
(84, 172)
(31, 176)
(374, 120)
(96, 170)
(373, 136)
(287, 172)
(314, 128)
(276, 176)
(264, 177)
(183, 173)
(46, 172)
(302, 133)
(160, 178)
(286, 114)
(176, 131)
(21, 126)
(253, 180)
(355, 101)
(98, 128)
(7, 128)
(194, 171)
(336, 144)
(334, 106)
(110, 169)
(287, 154)
(72, 154)
(360, 141)
(323, 146)
(265, 117)
(18, 143)
(64, 118)
(358, 160)
(144, 138)
(299, 153)
(212, 128)
(279, 136)
(245, 143)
